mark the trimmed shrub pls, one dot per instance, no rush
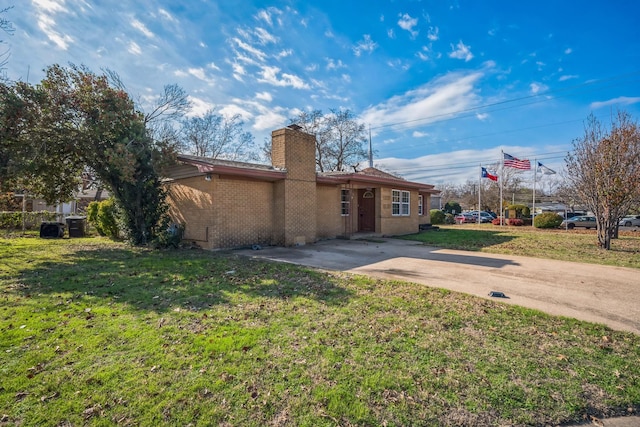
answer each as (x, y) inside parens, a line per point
(515, 222)
(547, 220)
(521, 210)
(103, 216)
(92, 217)
(496, 221)
(437, 216)
(449, 219)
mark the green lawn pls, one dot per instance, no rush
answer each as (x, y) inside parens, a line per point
(97, 333)
(565, 245)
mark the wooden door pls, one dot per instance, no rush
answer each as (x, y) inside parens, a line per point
(366, 211)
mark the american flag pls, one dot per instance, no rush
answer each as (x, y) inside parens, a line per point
(513, 162)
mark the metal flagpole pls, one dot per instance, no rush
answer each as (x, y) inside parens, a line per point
(535, 176)
(501, 185)
(480, 193)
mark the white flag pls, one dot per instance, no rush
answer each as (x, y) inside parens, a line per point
(545, 170)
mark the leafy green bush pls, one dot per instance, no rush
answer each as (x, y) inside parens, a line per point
(437, 216)
(92, 217)
(449, 219)
(547, 220)
(32, 220)
(521, 210)
(453, 207)
(103, 216)
(170, 234)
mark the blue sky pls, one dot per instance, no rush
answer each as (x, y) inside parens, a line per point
(444, 85)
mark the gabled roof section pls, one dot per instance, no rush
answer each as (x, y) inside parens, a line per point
(373, 176)
(233, 168)
(368, 176)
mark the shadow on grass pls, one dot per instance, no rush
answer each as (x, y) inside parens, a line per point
(164, 280)
(463, 239)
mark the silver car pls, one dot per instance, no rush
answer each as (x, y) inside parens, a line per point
(579, 221)
(630, 221)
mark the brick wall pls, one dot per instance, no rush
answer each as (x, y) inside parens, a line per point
(397, 225)
(329, 221)
(223, 212)
(295, 198)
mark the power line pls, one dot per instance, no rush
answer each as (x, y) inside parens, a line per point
(480, 107)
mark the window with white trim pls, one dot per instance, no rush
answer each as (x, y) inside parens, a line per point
(400, 203)
(420, 209)
(345, 202)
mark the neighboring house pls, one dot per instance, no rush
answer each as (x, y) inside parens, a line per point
(226, 204)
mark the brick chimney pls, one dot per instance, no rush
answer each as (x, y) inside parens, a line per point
(295, 197)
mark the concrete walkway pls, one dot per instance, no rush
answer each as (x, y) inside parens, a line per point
(601, 294)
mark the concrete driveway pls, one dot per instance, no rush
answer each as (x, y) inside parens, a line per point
(601, 294)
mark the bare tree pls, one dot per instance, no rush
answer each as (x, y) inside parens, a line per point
(7, 27)
(345, 141)
(340, 138)
(218, 137)
(604, 170)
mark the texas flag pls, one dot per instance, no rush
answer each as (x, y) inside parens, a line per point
(486, 174)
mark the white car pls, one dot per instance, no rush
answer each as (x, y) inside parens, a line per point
(630, 221)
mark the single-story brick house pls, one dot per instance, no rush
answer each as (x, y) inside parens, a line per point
(227, 204)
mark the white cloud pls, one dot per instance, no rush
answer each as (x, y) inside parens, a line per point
(264, 36)
(270, 75)
(482, 116)
(268, 120)
(391, 34)
(166, 15)
(407, 23)
(260, 55)
(461, 51)
(199, 107)
(231, 110)
(622, 100)
(134, 48)
(142, 28)
(424, 53)
(567, 77)
(50, 5)
(433, 34)
(45, 12)
(536, 88)
(284, 53)
(238, 71)
(365, 45)
(267, 15)
(567, 51)
(444, 96)
(213, 66)
(346, 78)
(265, 96)
(334, 65)
(418, 134)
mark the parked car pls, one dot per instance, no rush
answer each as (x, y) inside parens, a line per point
(579, 221)
(484, 216)
(630, 221)
(465, 217)
(571, 214)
